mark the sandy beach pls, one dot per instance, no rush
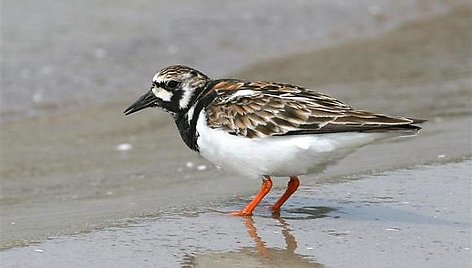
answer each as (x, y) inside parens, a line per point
(84, 186)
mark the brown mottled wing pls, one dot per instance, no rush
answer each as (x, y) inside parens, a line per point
(261, 109)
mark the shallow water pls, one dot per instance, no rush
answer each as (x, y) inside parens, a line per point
(414, 218)
(130, 183)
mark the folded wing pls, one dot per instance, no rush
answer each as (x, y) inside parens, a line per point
(261, 109)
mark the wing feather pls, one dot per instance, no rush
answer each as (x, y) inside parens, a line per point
(273, 109)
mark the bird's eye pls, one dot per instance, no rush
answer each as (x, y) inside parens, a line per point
(172, 84)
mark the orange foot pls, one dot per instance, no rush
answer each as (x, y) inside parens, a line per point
(275, 213)
(240, 213)
(265, 188)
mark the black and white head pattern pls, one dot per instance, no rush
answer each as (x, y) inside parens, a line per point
(176, 88)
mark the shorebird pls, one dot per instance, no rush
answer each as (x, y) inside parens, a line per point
(265, 129)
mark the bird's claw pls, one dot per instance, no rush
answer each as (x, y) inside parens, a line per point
(240, 214)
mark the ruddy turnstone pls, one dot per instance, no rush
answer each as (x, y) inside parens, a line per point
(264, 129)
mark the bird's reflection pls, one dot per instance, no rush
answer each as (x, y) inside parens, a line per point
(290, 241)
(258, 256)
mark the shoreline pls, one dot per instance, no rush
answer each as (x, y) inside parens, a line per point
(64, 190)
(414, 218)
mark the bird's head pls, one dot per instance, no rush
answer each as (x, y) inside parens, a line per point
(173, 89)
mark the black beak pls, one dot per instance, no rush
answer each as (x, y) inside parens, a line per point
(145, 101)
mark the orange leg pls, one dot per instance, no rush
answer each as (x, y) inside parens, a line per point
(265, 188)
(291, 188)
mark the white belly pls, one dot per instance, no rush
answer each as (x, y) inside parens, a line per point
(279, 155)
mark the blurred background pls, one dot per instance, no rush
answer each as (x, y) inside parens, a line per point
(72, 163)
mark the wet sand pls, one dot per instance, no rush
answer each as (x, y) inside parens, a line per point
(404, 199)
(404, 218)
